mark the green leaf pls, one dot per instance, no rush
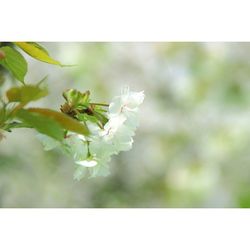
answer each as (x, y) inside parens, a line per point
(102, 118)
(85, 117)
(36, 51)
(9, 126)
(65, 121)
(26, 93)
(41, 123)
(14, 62)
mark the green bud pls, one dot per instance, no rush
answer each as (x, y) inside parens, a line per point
(76, 98)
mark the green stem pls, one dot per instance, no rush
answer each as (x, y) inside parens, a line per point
(88, 153)
(99, 104)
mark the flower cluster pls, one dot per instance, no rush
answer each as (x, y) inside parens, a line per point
(92, 153)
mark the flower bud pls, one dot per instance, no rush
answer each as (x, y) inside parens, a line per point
(76, 98)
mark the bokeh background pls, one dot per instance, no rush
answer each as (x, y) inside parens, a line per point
(192, 148)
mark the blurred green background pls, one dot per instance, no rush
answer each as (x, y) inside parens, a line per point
(192, 148)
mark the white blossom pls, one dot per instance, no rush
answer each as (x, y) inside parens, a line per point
(117, 133)
(112, 126)
(125, 103)
(87, 163)
(77, 146)
(93, 153)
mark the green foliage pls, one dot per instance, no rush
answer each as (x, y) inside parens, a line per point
(100, 117)
(78, 112)
(14, 62)
(11, 125)
(78, 105)
(179, 157)
(36, 51)
(65, 121)
(76, 99)
(25, 94)
(41, 123)
(46, 121)
(85, 117)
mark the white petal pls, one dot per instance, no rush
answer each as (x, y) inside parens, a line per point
(127, 101)
(132, 120)
(82, 137)
(77, 147)
(123, 146)
(79, 173)
(115, 105)
(93, 128)
(49, 143)
(135, 99)
(100, 170)
(111, 127)
(87, 163)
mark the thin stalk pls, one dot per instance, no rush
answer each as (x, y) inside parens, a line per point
(99, 104)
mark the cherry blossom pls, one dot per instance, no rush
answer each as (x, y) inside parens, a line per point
(93, 153)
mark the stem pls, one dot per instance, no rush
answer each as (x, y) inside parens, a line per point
(88, 153)
(99, 104)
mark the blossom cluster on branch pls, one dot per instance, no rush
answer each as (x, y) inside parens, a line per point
(111, 131)
(89, 132)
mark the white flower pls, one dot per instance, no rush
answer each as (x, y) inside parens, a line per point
(48, 143)
(100, 170)
(112, 126)
(117, 134)
(93, 129)
(102, 149)
(87, 163)
(80, 172)
(77, 146)
(126, 102)
(92, 153)
(82, 137)
(123, 111)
